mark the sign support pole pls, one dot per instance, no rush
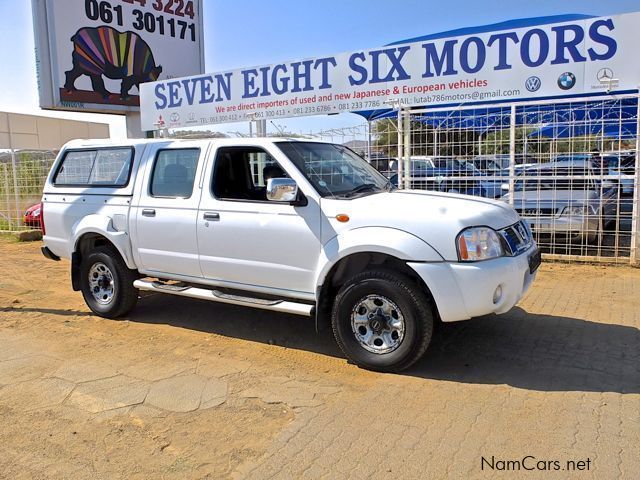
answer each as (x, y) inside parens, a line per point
(400, 148)
(635, 222)
(406, 156)
(512, 154)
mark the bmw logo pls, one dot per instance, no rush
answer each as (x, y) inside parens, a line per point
(566, 81)
(533, 84)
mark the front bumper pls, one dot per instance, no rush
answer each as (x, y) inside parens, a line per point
(466, 290)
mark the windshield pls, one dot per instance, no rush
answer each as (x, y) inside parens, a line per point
(334, 170)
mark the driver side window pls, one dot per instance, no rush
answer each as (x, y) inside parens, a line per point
(241, 173)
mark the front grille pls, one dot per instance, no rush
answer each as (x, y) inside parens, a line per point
(517, 237)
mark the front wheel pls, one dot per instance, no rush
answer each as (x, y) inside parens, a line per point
(382, 321)
(107, 283)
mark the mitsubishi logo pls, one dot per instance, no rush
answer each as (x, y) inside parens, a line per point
(605, 75)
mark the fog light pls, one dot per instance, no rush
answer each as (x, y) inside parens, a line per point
(497, 295)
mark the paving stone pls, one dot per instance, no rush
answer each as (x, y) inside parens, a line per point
(154, 370)
(177, 394)
(34, 394)
(14, 349)
(79, 371)
(214, 393)
(26, 368)
(109, 393)
(221, 367)
(293, 393)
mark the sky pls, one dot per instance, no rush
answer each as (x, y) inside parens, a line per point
(244, 33)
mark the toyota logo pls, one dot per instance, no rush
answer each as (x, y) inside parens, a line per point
(533, 84)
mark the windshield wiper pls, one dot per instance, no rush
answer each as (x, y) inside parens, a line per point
(365, 187)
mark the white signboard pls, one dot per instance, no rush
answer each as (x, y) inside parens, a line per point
(579, 57)
(92, 55)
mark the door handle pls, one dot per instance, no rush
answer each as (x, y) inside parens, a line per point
(148, 212)
(212, 216)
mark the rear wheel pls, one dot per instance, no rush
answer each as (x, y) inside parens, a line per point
(382, 321)
(107, 283)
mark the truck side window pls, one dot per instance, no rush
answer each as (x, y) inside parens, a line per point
(105, 167)
(241, 173)
(174, 172)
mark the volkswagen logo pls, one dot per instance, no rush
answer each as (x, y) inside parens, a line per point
(566, 81)
(605, 75)
(533, 84)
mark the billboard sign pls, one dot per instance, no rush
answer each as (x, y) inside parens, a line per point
(577, 57)
(93, 55)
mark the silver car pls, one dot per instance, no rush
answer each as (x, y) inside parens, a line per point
(562, 198)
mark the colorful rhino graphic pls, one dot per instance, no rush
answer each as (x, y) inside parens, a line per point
(99, 51)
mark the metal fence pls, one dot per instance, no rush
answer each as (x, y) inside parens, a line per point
(570, 169)
(22, 177)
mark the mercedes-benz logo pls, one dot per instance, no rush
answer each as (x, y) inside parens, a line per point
(605, 75)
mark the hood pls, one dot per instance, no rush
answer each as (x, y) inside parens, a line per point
(437, 218)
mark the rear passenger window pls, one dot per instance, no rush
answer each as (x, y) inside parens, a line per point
(174, 173)
(105, 167)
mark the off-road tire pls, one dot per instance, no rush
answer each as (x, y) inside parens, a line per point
(415, 306)
(125, 295)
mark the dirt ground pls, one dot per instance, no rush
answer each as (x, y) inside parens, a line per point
(190, 389)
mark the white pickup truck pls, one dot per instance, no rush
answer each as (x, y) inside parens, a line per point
(300, 227)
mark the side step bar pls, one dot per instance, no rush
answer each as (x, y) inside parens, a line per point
(217, 296)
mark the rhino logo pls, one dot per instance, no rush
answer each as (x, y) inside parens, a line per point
(99, 51)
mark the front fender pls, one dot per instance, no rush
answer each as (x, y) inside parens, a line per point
(103, 225)
(390, 241)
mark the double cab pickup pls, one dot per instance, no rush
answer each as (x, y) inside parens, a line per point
(300, 227)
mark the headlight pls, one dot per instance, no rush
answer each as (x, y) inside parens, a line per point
(577, 211)
(479, 243)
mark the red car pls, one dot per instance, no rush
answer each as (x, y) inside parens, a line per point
(33, 216)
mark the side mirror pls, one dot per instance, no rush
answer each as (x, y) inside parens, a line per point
(282, 190)
(505, 187)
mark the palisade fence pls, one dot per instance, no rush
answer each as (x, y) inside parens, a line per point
(22, 177)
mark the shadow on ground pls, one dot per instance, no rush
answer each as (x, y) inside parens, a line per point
(529, 351)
